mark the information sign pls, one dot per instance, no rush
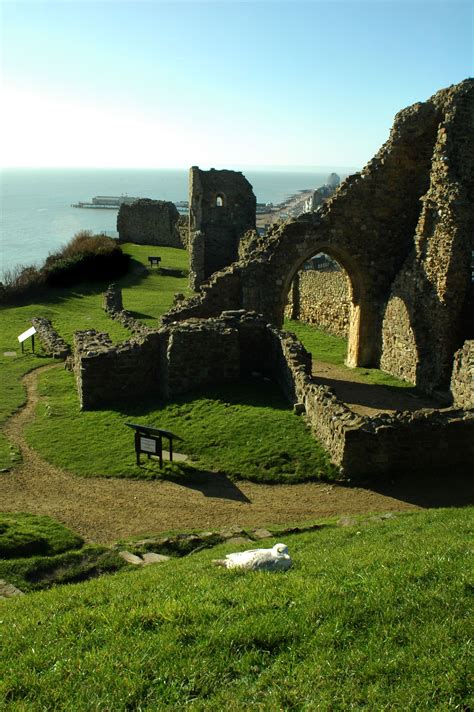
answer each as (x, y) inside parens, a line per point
(26, 334)
(148, 445)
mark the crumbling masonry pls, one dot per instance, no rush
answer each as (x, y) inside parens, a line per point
(402, 229)
(222, 209)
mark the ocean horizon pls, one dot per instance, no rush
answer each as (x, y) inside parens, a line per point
(37, 217)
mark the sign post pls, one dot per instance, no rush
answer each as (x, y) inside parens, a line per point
(149, 441)
(25, 335)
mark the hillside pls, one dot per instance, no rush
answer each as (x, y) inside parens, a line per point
(372, 616)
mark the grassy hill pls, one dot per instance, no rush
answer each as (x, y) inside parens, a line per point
(373, 616)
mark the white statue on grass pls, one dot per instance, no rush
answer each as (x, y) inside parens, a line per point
(275, 559)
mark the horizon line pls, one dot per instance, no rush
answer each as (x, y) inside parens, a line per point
(262, 167)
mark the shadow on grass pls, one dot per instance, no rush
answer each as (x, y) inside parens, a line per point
(139, 315)
(383, 397)
(247, 391)
(210, 484)
(57, 295)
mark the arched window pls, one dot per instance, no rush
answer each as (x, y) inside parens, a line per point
(219, 201)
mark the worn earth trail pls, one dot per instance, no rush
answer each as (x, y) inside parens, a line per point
(106, 510)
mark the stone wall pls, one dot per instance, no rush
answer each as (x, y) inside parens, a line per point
(149, 222)
(462, 380)
(321, 298)
(421, 442)
(113, 306)
(402, 229)
(200, 353)
(107, 374)
(222, 207)
(188, 355)
(49, 338)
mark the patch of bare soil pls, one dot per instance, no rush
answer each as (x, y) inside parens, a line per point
(106, 510)
(366, 398)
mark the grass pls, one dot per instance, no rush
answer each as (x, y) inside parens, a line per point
(73, 309)
(246, 430)
(333, 349)
(37, 552)
(27, 535)
(373, 617)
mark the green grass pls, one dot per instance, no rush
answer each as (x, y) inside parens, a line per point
(37, 552)
(333, 349)
(27, 535)
(74, 309)
(246, 430)
(369, 618)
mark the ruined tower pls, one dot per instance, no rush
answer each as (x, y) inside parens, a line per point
(222, 207)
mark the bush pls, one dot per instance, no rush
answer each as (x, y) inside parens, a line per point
(86, 258)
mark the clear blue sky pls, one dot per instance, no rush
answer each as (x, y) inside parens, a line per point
(224, 84)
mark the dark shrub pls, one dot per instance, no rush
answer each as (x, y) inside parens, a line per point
(86, 258)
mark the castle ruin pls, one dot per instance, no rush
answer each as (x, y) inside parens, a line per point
(149, 222)
(402, 229)
(222, 208)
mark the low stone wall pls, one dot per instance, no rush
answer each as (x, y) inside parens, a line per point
(187, 355)
(321, 298)
(423, 441)
(107, 374)
(462, 380)
(49, 338)
(113, 305)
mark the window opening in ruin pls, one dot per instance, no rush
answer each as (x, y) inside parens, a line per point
(320, 295)
(220, 201)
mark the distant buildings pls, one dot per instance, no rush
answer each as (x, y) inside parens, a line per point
(321, 194)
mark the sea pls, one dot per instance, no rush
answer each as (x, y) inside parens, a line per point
(37, 217)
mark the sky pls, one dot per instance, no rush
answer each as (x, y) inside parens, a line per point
(222, 83)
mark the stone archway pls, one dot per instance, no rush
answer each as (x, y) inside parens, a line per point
(360, 332)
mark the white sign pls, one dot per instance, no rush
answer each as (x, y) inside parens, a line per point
(26, 334)
(148, 445)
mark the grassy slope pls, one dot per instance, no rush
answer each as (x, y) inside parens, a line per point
(78, 308)
(245, 429)
(375, 617)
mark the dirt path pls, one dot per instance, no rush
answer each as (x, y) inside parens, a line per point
(105, 510)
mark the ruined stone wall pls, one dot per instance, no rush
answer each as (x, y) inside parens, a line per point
(113, 306)
(53, 344)
(107, 374)
(187, 355)
(424, 441)
(321, 298)
(424, 319)
(149, 222)
(402, 229)
(222, 207)
(201, 353)
(462, 380)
